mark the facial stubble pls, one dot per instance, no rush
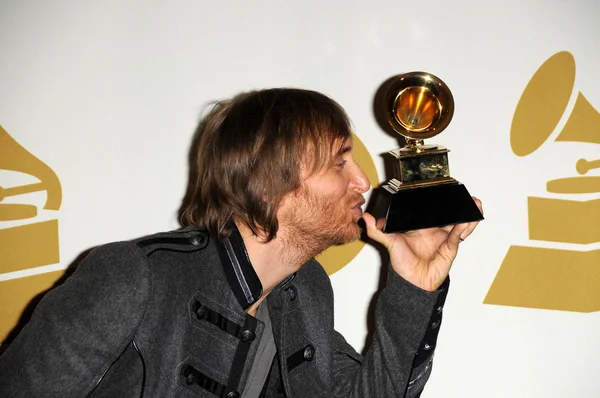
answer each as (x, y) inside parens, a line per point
(319, 222)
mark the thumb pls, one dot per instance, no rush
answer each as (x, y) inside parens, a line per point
(375, 233)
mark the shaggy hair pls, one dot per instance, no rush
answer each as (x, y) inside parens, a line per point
(252, 150)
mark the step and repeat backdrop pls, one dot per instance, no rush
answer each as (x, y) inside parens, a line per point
(99, 101)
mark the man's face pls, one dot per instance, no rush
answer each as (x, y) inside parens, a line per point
(325, 210)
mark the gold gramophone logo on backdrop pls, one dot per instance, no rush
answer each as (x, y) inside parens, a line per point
(552, 278)
(27, 242)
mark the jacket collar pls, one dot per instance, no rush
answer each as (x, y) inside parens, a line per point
(239, 271)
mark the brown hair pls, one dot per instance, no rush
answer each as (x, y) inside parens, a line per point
(249, 152)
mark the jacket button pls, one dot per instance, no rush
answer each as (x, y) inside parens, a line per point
(427, 347)
(248, 336)
(233, 394)
(439, 309)
(293, 293)
(189, 375)
(196, 240)
(190, 379)
(435, 324)
(201, 311)
(309, 353)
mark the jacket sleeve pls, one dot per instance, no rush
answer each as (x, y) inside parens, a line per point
(399, 360)
(80, 328)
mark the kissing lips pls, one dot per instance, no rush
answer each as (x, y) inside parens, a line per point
(357, 209)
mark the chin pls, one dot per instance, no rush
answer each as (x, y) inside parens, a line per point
(352, 234)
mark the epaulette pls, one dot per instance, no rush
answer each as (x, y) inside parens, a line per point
(183, 240)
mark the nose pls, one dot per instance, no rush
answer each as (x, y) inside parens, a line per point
(360, 181)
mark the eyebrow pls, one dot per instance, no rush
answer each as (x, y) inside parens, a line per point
(344, 149)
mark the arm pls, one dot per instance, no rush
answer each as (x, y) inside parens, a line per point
(79, 328)
(407, 316)
(399, 359)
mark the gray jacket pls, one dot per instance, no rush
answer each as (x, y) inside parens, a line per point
(164, 316)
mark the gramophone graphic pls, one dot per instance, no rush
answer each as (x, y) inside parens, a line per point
(26, 242)
(552, 278)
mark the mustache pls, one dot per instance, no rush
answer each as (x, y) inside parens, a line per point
(357, 200)
(361, 201)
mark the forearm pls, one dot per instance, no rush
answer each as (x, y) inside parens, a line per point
(399, 360)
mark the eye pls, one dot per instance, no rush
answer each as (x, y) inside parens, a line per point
(341, 164)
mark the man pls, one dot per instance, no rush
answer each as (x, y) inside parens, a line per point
(234, 304)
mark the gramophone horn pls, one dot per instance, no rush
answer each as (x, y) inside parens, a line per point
(16, 158)
(420, 105)
(543, 103)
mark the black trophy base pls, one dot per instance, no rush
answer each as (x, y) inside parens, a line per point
(425, 207)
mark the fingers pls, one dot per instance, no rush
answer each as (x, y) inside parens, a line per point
(456, 235)
(470, 228)
(472, 225)
(374, 229)
(479, 204)
(448, 228)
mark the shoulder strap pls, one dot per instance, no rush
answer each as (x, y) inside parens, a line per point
(183, 240)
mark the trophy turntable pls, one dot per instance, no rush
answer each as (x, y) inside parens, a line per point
(421, 194)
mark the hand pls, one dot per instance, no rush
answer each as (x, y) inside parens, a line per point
(422, 257)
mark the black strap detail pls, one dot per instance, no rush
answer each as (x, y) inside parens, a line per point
(191, 376)
(230, 327)
(295, 360)
(303, 355)
(241, 353)
(169, 240)
(245, 333)
(186, 241)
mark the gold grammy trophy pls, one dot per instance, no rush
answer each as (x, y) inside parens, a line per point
(548, 276)
(422, 194)
(29, 244)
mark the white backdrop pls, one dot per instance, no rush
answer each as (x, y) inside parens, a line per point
(108, 94)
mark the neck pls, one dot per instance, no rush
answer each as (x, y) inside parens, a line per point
(272, 261)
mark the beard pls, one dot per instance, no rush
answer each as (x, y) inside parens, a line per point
(319, 222)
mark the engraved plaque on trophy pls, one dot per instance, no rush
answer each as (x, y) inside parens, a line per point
(421, 194)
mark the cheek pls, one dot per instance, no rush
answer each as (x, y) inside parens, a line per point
(337, 193)
(340, 184)
(333, 187)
